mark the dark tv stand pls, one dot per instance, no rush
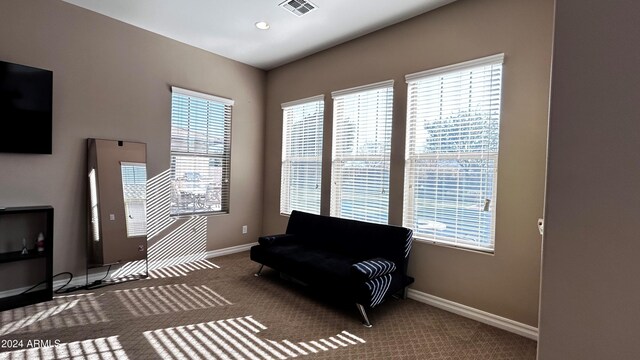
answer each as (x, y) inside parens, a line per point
(36, 267)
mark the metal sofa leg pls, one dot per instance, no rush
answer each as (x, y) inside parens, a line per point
(259, 270)
(363, 313)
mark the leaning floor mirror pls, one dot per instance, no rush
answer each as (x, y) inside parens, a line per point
(116, 202)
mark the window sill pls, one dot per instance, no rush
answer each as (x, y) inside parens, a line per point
(187, 216)
(490, 252)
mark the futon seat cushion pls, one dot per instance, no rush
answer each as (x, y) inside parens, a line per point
(321, 267)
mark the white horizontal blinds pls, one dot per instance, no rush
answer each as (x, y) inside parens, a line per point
(301, 156)
(453, 123)
(200, 153)
(134, 191)
(361, 153)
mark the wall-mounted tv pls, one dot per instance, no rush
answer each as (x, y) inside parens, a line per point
(25, 109)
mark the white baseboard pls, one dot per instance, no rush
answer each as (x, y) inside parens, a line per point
(81, 280)
(230, 250)
(515, 327)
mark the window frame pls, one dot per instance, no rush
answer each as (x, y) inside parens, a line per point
(412, 156)
(383, 157)
(287, 161)
(223, 158)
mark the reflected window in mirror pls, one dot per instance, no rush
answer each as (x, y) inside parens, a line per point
(134, 190)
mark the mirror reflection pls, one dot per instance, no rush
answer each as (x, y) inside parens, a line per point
(116, 204)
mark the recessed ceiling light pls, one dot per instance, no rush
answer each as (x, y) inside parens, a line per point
(263, 25)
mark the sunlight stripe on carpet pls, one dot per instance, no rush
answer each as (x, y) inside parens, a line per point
(237, 339)
(165, 299)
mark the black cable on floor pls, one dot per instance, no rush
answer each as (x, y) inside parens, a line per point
(107, 274)
(59, 290)
(99, 283)
(53, 277)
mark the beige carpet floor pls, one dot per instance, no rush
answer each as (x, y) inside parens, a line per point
(217, 309)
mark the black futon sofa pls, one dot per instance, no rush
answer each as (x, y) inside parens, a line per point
(359, 261)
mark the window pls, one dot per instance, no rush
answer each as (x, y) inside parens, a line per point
(134, 191)
(200, 153)
(301, 155)
(361, 152)
(453, 123)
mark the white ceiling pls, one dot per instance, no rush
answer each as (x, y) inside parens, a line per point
(226, 27)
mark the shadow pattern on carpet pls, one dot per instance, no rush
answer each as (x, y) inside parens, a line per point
(224, 312)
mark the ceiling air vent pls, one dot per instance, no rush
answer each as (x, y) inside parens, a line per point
(298, 7)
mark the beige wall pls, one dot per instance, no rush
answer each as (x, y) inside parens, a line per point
(590, 298)
(112, 81)
(506, 283)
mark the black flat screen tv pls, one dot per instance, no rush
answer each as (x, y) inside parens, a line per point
(25, 109)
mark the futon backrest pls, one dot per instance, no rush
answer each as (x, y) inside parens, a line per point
(359, 239)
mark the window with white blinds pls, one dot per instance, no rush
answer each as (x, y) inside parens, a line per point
(134, 191)
(453, 125)
(200, 153)
(362, 120)
(301, 174)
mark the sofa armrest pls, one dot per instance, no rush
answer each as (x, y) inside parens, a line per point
(373, 268)
(275, 239)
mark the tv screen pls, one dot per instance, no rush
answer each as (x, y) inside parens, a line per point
(25, 109)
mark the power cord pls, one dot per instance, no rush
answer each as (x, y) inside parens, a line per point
(99, 283)
(105, 275)
(62, 290)
(58, 290)
(93, 285)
